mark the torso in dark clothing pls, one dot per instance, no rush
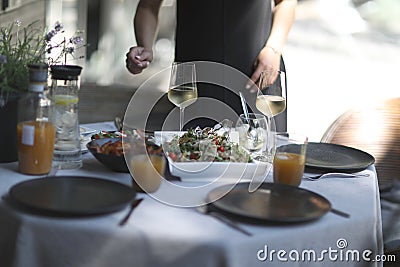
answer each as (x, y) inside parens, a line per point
(226, 31)
(231, 32)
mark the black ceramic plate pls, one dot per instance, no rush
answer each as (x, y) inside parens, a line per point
(274, 203)
(71, 195)
(337, 157)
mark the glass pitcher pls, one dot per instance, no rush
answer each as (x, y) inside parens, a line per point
(65, 83)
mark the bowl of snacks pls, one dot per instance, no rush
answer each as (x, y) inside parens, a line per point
(109, 148)
(110, 152)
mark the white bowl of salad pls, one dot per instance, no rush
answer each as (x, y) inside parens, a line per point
(207, 155)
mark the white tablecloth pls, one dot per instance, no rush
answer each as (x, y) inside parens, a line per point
(162, 235)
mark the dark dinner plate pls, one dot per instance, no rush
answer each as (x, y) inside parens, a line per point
(273, 203)
(337, 157)
(71, 195)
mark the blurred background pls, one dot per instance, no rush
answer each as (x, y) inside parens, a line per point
(339, 54)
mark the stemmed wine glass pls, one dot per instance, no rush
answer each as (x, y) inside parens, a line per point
(271, 101)
(271, 98)
(182, 87)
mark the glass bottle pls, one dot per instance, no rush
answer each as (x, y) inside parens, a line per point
(35, 129)
(65, 83)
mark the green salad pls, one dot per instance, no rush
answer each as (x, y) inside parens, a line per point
(205, 145)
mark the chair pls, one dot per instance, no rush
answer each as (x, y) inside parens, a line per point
(376, 130)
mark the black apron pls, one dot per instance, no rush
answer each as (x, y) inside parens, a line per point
(231, 32)
(226, 31)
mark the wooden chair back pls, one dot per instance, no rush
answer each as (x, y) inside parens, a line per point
(376, 130)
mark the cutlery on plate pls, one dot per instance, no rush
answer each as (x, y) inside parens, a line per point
(133, 205)
(246, 114)
(253, 125)
(118, 122)
(205, 210)
(244, 106)
(340, 213)
(338, 174)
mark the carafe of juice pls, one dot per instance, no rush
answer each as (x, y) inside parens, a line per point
(35, 127)
(65, 83)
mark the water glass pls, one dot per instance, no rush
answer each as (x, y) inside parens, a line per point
(289, 159)
(252, 130)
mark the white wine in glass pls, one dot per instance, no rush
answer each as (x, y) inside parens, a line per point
(271, 98)
(270, 105)
(182, 96)
(182, 88)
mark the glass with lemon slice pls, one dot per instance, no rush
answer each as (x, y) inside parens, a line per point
(64, 93)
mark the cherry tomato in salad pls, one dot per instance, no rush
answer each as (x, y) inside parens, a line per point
(172, 156)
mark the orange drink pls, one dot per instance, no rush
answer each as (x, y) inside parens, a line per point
(290, 158)
(147, 171)
(35, 146)
(288, 168)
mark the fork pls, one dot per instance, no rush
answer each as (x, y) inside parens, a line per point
(341, 174)
(205, 210)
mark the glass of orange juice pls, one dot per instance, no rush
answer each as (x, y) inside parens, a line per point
(146, 167)
(290, 158)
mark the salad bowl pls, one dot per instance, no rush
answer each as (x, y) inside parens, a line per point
(219, 171)
(207, 155)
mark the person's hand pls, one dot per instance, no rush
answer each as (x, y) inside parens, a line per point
(137, 59)
(268, 59)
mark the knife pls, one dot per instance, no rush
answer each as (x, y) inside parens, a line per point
(133, 205)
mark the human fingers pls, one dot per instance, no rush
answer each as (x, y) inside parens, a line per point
(272, 77)
(267, 77)
(252, 85)
(144, 55)
(134, 52)
(136, 61)
(133, 67)
(267, 65)
(135, 70)
(132, 64)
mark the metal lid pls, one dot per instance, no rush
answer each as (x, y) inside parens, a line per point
(65, 72)
(38, 72)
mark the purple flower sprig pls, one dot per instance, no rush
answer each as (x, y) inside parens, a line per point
(66, 46)
(21, 45)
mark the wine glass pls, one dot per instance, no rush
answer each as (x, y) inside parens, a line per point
(252, 129)
(271, 98)
(182, 87)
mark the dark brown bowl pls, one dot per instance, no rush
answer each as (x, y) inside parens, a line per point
(114, 162)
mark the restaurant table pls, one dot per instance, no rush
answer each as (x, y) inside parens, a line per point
(161, 235)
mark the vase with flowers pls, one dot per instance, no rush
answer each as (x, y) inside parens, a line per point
(21, 46)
